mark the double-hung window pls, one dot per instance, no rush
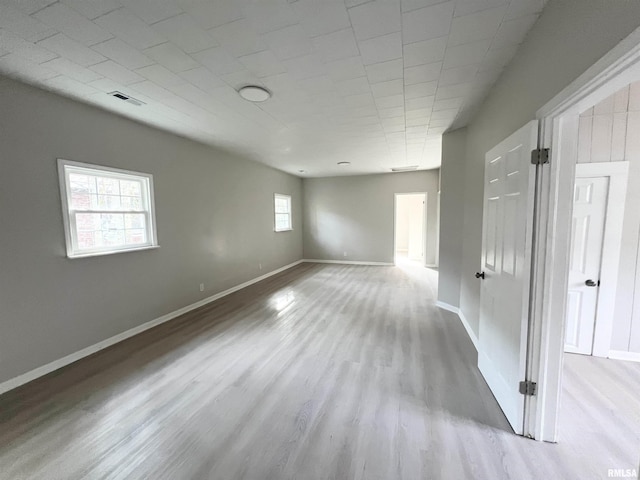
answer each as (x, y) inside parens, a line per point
(106, 210)
(282, 204)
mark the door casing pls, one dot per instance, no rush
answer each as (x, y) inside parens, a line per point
(504, 294)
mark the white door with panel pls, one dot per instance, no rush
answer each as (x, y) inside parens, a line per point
(587, 234)
(506, 269)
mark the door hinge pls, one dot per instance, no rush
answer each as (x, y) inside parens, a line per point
(539, 156)
(528, 387)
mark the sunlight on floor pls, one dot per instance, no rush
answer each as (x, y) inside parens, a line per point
(402, 260)
(416, 271)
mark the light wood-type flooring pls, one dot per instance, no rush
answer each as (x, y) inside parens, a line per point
(320, 372)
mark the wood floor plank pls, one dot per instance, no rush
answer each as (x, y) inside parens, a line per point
(320, 372)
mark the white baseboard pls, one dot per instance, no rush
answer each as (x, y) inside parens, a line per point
(448, 307)
(467, 327)
(85, 352)
(465, 324)
(622, 355)
(347, 262)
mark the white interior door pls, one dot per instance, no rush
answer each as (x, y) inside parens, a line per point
(587, 234)
(506, 265)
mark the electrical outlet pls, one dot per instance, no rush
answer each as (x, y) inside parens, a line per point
(260, 266)
(202, 287)
(344, 254)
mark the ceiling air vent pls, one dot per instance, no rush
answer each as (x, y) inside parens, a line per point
(404, 169)
(126, 98)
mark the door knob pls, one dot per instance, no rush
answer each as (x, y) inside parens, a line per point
(480, 275)
(591, 283)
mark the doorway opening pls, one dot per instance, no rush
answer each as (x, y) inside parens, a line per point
(410, 239)
(585, 309)
(602, 319)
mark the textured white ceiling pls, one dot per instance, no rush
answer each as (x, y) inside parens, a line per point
(372, 82)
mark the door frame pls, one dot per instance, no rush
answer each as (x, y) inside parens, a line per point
(558, 132)
(424, 224)
(525, 135)
(617, 172)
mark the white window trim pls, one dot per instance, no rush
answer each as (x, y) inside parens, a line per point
(288, 198)
(68, 219)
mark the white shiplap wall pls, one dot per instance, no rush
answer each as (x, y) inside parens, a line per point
(610, 132)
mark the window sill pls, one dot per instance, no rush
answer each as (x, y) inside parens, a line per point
(284, 230)
(113, 252)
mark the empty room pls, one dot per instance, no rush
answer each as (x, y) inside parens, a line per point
(319, 239)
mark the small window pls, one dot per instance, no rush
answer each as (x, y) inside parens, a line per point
(106, 210)
(283, 212)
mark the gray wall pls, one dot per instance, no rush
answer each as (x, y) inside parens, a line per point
(568, 38)
(451, 215)
(355, 214)
(214, 217)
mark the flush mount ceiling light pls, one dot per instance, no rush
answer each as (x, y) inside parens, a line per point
(254, 93)
(344, 164)
(404, 169)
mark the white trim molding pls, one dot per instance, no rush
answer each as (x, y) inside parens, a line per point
(90, 350)
(463, 319)
(348, 262)
(447, 307)
(623, 355)
(70, 213)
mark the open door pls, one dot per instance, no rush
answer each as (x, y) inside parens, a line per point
(506, 269)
